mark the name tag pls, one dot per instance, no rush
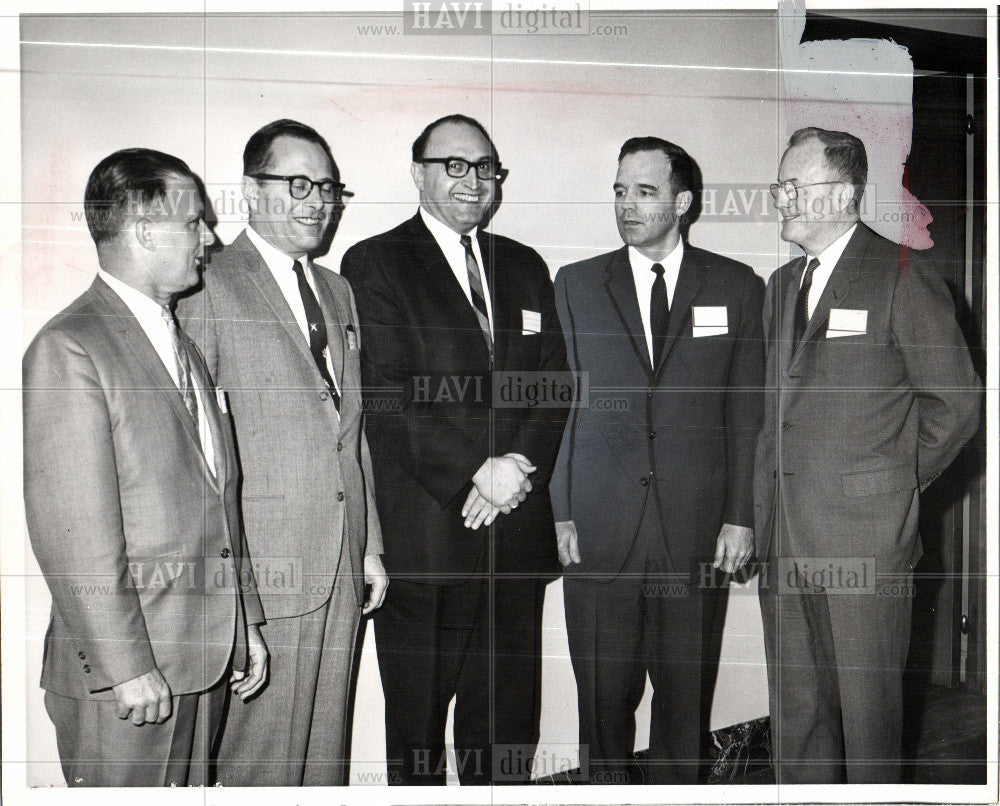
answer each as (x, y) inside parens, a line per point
(220, 399)
(531, 322)
(847, 322)
(709, 320)
(352, 338)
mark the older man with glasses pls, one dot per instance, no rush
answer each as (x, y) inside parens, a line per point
(444, 307)
(282, 334)
(870, 396)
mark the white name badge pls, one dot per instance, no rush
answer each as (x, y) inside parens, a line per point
(847, 322)
(531, 322)
(709, 320)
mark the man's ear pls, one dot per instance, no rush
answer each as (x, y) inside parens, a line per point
(251, 192)
(682, 202)
(417, 172)
(144, 234)
(846, 192)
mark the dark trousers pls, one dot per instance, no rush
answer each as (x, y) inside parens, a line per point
(479, 642)
(835, 664)
(644, 619)
(96, 748)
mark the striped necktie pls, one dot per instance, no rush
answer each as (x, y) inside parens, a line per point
(476, 289)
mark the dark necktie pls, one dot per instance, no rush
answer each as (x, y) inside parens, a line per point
(659, 313)
(317, 329)
(476, 288)
(802, 303)
(183, 363)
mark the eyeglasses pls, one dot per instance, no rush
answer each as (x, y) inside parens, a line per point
(792, 190)
(299, 187)
(456, 168)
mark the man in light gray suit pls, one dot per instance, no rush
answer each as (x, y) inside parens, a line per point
(282, 334)
(130, 492)
(870, 395)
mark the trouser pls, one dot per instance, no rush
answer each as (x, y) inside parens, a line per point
(479, 642)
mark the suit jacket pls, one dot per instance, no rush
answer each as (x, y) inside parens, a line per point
(678, 437)
(139, 542)
(856, 425)
(306, 470)
(427, 374)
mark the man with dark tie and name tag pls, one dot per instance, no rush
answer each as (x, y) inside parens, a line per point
(445, 306)
(281, 333)
(130, 486)
(654, 492)
(870, 396)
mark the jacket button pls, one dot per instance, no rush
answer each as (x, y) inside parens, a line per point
(323, 395)
(224, 553)
(786, 425)
(652, 435)
(340, 446)
(86, 669)
(81, 656)
(340, 496)
(644, 481)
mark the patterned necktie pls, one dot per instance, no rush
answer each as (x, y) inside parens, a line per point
(476, 287)
(802, 303)
(317, 330)
(659, 313)
(183, 363)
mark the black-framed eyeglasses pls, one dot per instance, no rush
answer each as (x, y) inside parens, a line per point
(456, 168)
(792, 190)
(299, 187)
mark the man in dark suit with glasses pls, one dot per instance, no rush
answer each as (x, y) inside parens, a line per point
(445, 307)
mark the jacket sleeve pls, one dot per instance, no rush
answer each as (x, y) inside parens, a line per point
(74, 511)
(744, 412)
(540, 431)
(559, 487)
(938, 365)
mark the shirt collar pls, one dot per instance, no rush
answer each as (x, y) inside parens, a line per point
(828, 257)
(137, 302)
(273, 257)
(642, 265)
(443, 234)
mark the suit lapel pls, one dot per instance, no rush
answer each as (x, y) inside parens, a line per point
(147, 360)
(838, 286)
(438, 278)
(620, 286)
(787, 313)
(335, 321)
(260, 275)
(689, 282)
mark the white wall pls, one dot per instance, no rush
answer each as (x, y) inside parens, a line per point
(559, 108)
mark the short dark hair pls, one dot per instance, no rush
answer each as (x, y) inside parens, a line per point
(257, 153)
(420, 144)
(128, 180)
(684, 171)
(843, 152)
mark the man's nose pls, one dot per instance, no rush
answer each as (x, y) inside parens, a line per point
(207, 236)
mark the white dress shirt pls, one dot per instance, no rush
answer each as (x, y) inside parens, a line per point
(280, 266)
(454, 253)
(827, 263)
(642, 274)
(149, 314)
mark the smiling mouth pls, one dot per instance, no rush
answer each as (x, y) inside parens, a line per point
(468, 198)
(309, 221)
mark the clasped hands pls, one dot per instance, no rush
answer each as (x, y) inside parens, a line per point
(497, 487)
